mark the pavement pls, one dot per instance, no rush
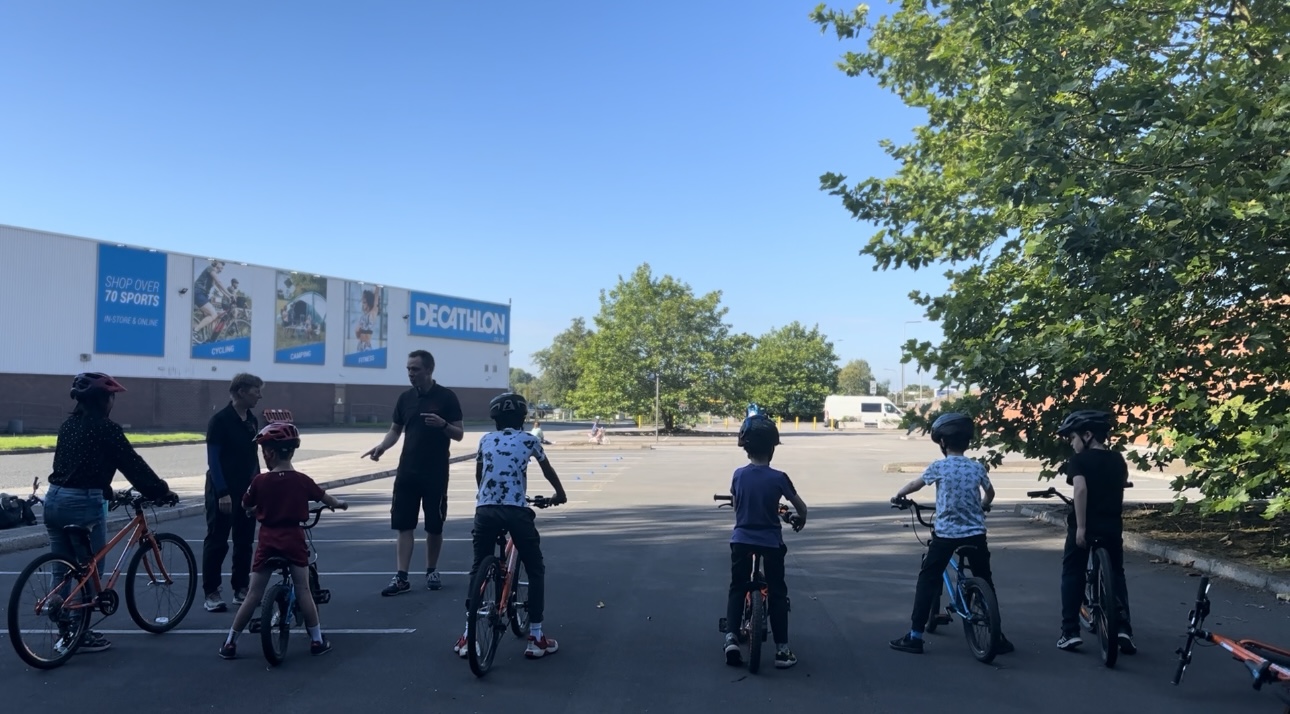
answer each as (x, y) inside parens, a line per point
(637, 567)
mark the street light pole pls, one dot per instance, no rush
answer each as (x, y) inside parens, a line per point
(903, 330)
(656, 407)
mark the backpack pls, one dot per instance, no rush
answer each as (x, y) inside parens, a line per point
(15, 512)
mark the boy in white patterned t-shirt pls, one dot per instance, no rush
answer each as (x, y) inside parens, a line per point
(501, 471)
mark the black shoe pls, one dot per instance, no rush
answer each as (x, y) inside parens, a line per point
(320, 648)
(1069, 642)
(1005, 645)
(94, 642)
(396, 587)
(1126, 643)
(733, 657)
(907, 644)
(228, 650)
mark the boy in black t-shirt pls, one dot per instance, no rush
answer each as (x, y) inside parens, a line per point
(1099, 476)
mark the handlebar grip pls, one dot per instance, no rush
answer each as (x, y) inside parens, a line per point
(1038, 494)
(722, 497)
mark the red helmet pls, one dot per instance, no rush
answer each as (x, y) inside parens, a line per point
(278, 432)
(87, 384)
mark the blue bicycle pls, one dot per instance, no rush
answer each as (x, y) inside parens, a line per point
(971, 598)
(280, 610)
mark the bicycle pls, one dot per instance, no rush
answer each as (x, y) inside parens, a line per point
(971, 598)
(753, 623)
(1100, 586)
(279, 609)
(1267, 664)
(500, 599)
(68, 594)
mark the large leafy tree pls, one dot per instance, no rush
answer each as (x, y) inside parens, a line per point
(790, 371)
(1106, 181)
(650, 327)
(559, 364)
(854, 378)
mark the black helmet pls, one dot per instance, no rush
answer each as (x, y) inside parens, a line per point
(508, 404)
(758, 433)
(1087, 420)
(89, 384)
(951, 424)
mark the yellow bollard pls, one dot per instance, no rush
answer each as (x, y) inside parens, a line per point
(813, 423)
(797, 423)
(727, 422)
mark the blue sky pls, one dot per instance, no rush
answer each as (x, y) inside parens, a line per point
(531, 152)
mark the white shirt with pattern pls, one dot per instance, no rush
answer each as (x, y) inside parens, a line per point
(505, 456)
(959, 481)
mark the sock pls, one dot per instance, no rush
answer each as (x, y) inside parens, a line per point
(403, 575)
(315, 632)
(781, 648)
(232, 636)
(915, 635)
(535, 630)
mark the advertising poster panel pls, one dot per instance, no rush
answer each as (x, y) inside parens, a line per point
(366, 315)
(300, 324)
(221, 310)
(458, 319)
(130, 309)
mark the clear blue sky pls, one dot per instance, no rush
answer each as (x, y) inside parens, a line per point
(524, 151)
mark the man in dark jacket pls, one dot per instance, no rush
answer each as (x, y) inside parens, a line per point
(232, 461)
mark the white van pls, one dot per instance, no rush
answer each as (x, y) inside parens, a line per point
(862, 411)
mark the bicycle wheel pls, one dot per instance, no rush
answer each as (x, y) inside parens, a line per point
(1195, 619)
(484, 626)
(756, 628)
(274, 636)
(982, 627)
(518, 604)
(170, 583)
(44, 633)
(1106, 612)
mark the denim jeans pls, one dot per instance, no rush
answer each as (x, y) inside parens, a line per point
(75, 507)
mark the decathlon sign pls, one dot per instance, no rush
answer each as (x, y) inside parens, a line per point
(457, 319)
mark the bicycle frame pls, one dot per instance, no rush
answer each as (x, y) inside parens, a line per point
(88, 574)
(1262, 669)
(953, 587)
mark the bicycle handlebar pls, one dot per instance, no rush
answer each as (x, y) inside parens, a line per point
(130, 497)
(1052, 491)
(540, 502)
(785, 513)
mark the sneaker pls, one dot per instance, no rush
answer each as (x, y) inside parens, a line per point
(785, 658)
(396, 587)
(1005, 645)
(228, 650)
(215, 602)
(1126, 643)
(460, 648)
(733, 657)
(239, 596)
(540, 648)
(1069, 642)
(321, 647)
(94, 642)
(432, 581)
(907, 644)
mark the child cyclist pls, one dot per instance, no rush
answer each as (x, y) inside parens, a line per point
(960, 521)
(501, 472)
(280, 498)
(755, 491)
(1099, 476)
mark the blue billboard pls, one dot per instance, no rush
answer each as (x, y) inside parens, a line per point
(130, 314)
(221, 312)
(457, 319)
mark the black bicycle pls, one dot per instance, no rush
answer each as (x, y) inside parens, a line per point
(1100, 586)
(753, 624)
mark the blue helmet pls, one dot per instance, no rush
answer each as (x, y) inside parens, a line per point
(754, 411)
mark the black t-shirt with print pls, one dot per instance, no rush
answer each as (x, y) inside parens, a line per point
(425, 448)
(1105, 472)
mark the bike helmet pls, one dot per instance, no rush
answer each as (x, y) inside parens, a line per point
(754, 411)
(279, 433)
(758, 434)
(1083, 420)
(508, 404)
(951, 424)
(89, 384)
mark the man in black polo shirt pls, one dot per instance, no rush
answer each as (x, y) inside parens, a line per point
(430, 415)
(232, 461)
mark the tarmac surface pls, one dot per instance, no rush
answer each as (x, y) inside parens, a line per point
(637, 568)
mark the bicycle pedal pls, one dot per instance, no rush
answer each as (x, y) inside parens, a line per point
(322, 597)
(721, 624)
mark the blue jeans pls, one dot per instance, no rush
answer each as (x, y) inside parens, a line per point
(75, 507)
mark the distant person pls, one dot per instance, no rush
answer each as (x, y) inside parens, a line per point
(232, 461)
(537, 433)
(431, 415)
(90, 449)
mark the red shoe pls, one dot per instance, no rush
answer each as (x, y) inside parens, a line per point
(540, 648)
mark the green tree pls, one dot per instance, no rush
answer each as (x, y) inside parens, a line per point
(790, 371)
(651, 326)
(1107, 182)
(853, 378)
(559, 364)
(525, 384)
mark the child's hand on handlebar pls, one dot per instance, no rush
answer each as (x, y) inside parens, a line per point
(558, 498)
(798, 523)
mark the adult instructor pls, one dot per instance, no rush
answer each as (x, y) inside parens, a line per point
(232, 461)
(430, 415)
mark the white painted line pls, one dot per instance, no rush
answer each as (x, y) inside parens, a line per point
(329, 631)
(180, 576)
(360, 540)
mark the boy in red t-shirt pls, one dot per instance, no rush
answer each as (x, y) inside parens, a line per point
(280, 498)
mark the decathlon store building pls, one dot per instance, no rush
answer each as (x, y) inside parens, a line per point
(175, 329)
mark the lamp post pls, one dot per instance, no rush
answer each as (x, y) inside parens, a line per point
(903, 330)
(656, 407)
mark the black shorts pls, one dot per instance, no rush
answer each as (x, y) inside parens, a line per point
(419, 492)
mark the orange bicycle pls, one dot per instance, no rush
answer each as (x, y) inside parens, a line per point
(499, 596)
(1267, 663)
(64, 594)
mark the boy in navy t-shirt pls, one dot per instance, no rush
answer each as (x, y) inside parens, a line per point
(756, 490)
